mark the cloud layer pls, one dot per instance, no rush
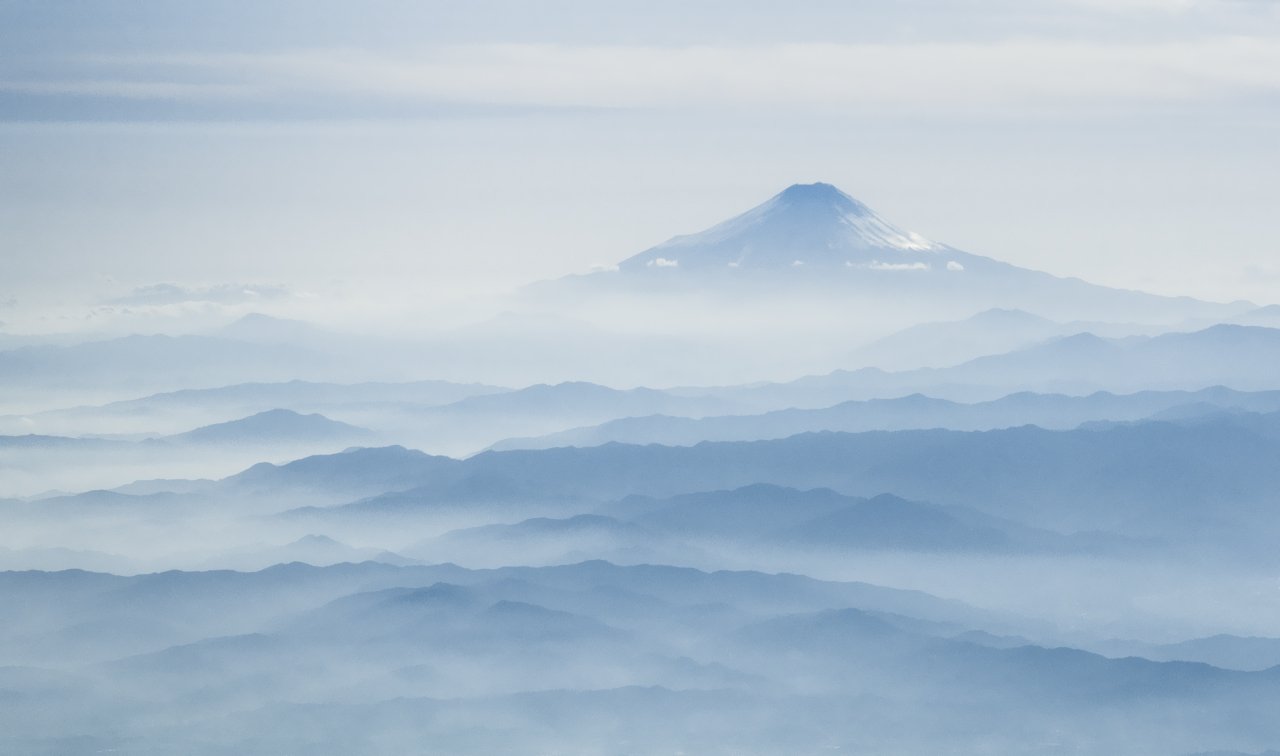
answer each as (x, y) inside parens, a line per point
(1019, 74)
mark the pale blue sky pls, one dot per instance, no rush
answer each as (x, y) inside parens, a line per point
(362, 152)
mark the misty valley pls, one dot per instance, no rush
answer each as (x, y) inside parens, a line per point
(981, 510)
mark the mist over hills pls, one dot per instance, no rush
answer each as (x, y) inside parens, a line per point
(720, 642)
(916, 411)
(805, 481)
(943, 344)
(704, 308)
(149, 362)
(1143, 479)
(1239, 357)
(273, 426)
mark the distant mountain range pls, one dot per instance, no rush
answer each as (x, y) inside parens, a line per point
(742, 660)
(1245, 358)
(175, 411)
(273, 427)
(995, 331)
(916, 411)
(1057, 384)
(1071, 489)
(1148, 480)
(37, 463)
(709, 307)
(685, 529)
(152, 360)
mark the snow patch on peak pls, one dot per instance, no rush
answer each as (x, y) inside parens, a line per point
(814, 223)
(820, 194)
(873, 229)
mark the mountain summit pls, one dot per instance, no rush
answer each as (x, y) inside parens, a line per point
(813, 225)
(814, 260)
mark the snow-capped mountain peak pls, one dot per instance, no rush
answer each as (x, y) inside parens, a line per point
(805, 224)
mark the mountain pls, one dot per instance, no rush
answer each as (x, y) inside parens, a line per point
(1225, 651)
(815, 238)
(1241, 357)
(916, 411)
(814, 225)
(772, 516)
(132, 365)
(1193, 482)
(889, 522)
(728, 304)
(320, 599)
(1245, 358)
(373, 658)
(578, 399)
(355, 472)
(313, 548)
(543, 540)
(748, 511)
(175, 411)
(258, 351)
(277, 426)
(819, 518)
(989, 332)
(476, 422)
(1268, 317)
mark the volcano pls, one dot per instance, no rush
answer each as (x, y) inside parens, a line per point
(806, 224)
(815, 242)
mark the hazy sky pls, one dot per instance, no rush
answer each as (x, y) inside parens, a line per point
(159, 159)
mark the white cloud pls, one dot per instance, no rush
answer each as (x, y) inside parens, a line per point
(860, 77)
(662, 262)
(877, 265)
(225, 293)
(952, 265)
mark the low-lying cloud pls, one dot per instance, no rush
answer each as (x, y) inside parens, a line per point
(225, 293)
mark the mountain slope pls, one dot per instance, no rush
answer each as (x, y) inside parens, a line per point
(272, 427)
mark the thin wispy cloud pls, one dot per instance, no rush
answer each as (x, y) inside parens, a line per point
(224, 293)
(1016, 74)
(877, 265)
